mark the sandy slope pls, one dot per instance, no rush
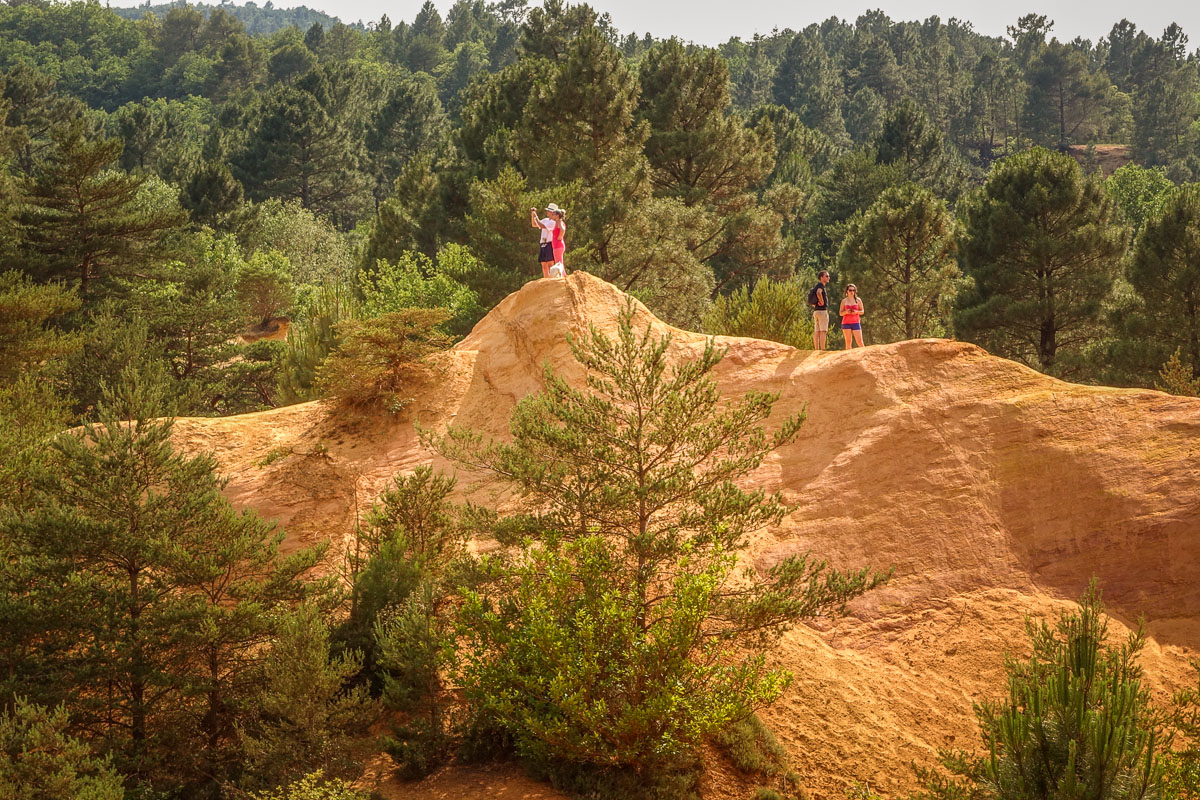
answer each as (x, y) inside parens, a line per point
(995, 491)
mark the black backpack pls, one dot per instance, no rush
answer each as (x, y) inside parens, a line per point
(812, 296)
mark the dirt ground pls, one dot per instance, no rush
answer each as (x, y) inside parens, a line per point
(1110, 157)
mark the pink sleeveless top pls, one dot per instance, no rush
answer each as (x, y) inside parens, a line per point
(851, 316)
(559, 245)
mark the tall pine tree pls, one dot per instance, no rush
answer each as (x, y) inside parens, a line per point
(87, 223)
(1043, 249)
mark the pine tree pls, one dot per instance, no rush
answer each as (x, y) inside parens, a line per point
(612, 639)
(35, 113)
(302, 149)
(1042, 249)
(806, 83)
(909, 140)
(212, 194)
(1066, 98)
(31, 413)
(40, 761)
(1165, 110)
(289, 62)
(307, 720)
(27, 343)
(1165, 271)
(901, 253)
(1176, 378)
(160, 594)
(1077, 721)
(238, 583)
(87, 223)
(591, 139)
(492, 111)
(424, 212)
(550, 31)
(409, 124)
(708, 158)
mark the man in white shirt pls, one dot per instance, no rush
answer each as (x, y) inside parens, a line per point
(546, 247)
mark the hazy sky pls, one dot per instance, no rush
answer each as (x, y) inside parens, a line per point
(714, 21)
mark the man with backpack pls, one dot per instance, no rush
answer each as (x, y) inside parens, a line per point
(818, 299)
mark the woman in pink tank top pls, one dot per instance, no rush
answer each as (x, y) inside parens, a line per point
(560, 245)
(852, 313)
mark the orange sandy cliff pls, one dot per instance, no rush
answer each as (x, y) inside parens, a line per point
(996, 492)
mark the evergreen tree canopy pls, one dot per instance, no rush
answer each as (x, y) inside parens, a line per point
(1165, 271)
(85, 223)
(901, 254)
(1042, 248)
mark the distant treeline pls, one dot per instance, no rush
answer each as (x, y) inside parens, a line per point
(256, 19)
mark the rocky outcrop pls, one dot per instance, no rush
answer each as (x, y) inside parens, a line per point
(996, 492)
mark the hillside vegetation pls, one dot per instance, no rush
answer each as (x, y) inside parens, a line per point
(213, 587)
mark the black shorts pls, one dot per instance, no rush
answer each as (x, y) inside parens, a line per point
(546, 252)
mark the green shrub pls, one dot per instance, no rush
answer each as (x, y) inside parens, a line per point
(306, 718)
(417, 281)
(39, 761)
(313, 786)
(775, 310)
(264, 286)
(1176, 378)
(752, 747)
(482, 738)
(379, 359)
(1077, 722)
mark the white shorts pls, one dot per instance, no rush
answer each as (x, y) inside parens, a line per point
(821, 321)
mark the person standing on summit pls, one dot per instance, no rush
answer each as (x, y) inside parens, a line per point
(818, 299)
(547, 225)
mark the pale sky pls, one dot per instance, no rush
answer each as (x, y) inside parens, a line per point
(714, 21)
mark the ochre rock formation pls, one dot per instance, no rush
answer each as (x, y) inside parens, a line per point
(995, 491)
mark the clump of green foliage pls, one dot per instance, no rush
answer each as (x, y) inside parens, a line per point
(378, 360)
(754, 750)
(774, 310)
(39, 760)
(1077, 721)
(313, 786)
(1176, 378)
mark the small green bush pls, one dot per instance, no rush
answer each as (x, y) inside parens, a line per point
(1077, 721)
(314, 786)
(1176, 378)
(39, 761)
(763, 793)
(481, 738)
(379, 359)
(418, 748)
(775, 310)
(752, 747)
